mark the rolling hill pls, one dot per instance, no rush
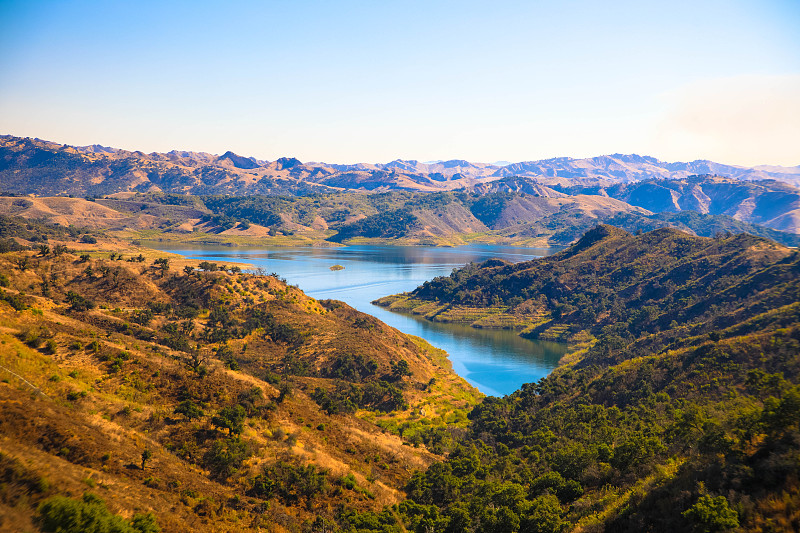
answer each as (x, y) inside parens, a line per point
(159, 393)
(676, 410)
(197, 397)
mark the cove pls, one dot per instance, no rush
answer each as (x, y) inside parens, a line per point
(496, 362)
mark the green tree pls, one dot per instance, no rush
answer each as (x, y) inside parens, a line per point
(230, 418)
(78, 302)
(189, 409)
(400, 369)
(712, 514)
(544, 516)
(163, 264)
(225, 457)
(146, 455)
(145, 523)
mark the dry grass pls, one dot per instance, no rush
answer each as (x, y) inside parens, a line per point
(88, 428)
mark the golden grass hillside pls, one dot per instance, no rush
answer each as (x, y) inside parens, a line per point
(215, 399)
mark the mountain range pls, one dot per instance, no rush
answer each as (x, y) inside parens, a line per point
(525, 200)
(26, 164)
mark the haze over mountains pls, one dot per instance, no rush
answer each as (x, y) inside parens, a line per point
(602, 187)
(204, 173)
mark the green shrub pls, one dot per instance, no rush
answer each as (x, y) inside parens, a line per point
(51, 346)
(61, 514)
(230, 418)
(189, 409)
(712, 514)
(32, 338)
(225, 457)
(78, 303)
(14, 300)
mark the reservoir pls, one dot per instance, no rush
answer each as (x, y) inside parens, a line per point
(496, 362)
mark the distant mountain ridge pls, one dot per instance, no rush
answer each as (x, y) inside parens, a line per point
(621, 168)
(765, 195)
(769, 202)
(178, 171)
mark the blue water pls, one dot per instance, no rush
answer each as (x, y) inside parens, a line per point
(496, 362)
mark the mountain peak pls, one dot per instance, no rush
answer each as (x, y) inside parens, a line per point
(287, 162)
(239, 161)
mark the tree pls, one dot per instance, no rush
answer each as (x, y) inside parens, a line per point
(230, 418)
(225, 457)
(163, 263)
(145, 523)
(251, 400)
(400, 369)
(143, 316)
(189, 409)
(146, 455)
(712, 514)
(208, 267)
(544, 516)
(225, 354)
(78, 302)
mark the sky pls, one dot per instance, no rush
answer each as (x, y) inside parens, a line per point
(366, 81)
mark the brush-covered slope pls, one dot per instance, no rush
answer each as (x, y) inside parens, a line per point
(452, 218)
(212, 399)
(678, 409)
(665, 275)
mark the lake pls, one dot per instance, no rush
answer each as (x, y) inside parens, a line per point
(496, 362)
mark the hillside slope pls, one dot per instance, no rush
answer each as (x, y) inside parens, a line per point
(771, 203)
(678, 408)
(212, 399)
(666, 274)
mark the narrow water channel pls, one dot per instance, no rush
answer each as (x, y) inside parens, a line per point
(496, 362)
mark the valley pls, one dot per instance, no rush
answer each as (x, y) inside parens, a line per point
(400, 267)
(196, 391)
(189, 394)
(495, 361)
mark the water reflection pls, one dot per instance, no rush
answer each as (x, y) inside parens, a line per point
(496, 362)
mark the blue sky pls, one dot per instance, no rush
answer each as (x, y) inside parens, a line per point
(374, 81)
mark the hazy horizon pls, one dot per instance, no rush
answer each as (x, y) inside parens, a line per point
(500, 163)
